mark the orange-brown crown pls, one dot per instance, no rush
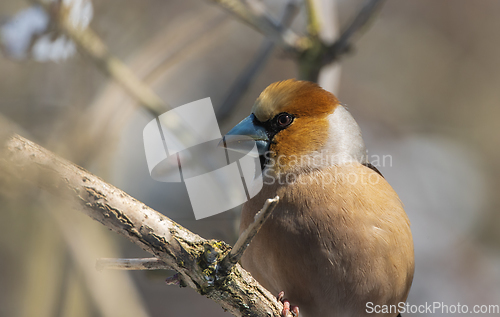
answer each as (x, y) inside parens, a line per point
(297, 97)
(310, 105)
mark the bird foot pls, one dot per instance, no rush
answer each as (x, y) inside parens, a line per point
(288, 310)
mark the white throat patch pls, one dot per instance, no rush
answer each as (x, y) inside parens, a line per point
(345, 143)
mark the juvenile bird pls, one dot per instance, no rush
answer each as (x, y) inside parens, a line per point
(339, 242)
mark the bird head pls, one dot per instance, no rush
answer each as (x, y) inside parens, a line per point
(299, 126)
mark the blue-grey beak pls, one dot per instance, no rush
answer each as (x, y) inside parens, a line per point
(242, 136)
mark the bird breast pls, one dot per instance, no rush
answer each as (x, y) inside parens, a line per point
(339, 238)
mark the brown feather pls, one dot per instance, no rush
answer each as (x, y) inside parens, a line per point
(301, 98)
(338, 239)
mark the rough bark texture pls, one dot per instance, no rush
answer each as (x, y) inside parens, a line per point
(196, 259)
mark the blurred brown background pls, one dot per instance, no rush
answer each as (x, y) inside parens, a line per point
(422, 82)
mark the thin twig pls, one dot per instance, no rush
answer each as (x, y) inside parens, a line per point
(255, 66)
(131, 264)
(195, 259)
(261, 21)
(246, 236)
(342, 45)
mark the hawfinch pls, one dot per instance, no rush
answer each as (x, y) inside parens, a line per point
(339, 242)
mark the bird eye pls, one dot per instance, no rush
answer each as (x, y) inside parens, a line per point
(284, 119)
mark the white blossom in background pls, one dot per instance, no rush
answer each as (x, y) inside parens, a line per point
(46, 49)
(18, 33)
(28, 33)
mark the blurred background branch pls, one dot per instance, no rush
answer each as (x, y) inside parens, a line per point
(255, 15)
(357, 25)
(320, 54)
(253, 68)
(91, 45)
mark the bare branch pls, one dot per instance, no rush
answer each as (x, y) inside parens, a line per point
(194, 258)
(131, 264)
(246, 236)
(258, 19)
